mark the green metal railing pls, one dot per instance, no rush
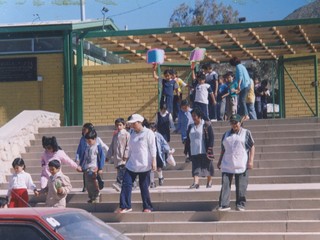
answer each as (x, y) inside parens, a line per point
(281, 73)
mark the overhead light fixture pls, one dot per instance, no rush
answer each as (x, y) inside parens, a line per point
(104, 10)
(242, 19)
(36, 17)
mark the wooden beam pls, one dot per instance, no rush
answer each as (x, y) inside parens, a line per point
(216, 45)
(170, 45)
(124, 46)
(259, 40)
(193, 45)
(234, 39)
(305, 36)
(283, 40)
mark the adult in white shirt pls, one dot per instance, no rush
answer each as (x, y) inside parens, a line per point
(141, 160)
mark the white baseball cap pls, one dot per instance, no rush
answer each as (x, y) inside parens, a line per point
(136, 118)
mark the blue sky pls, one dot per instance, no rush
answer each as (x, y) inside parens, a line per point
(140, 14)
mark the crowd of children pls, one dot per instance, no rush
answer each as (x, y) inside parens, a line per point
(211, 97)
(218, 96)
(91, 155)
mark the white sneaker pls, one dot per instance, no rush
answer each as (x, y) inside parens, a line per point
(116, 186)
(223, 209)
(97, 200)
(123, 210)
(240, 208)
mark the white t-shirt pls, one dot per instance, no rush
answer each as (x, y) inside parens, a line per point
(202, 93)
(142, 149)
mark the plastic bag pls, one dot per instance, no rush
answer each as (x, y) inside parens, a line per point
(170, 159)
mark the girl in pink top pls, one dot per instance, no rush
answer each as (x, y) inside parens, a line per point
(53, 151)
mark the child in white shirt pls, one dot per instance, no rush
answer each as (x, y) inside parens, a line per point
(19, 184)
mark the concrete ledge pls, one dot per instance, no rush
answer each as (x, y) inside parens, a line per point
(16, 135)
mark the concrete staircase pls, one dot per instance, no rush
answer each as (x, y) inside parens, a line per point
(283, 194)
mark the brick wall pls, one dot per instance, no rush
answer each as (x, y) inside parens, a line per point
(35, 95)
(112, 91)
(302, 72)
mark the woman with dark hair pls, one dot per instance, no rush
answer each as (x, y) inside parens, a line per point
(53, 151)
(244, 82)
(199, 147)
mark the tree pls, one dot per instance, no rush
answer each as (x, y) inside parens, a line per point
(205, 12)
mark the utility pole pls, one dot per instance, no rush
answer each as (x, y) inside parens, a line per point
(83, 10)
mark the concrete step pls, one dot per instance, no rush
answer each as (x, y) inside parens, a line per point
(183, 178)
(186, 182)
(267, 155)
(173, 174)
(34, 166)
(195, 205)
(292, 147)
(72, 143)
(284, 133)
(226, 236)
(283, 195)
(287, 196)
(218, 226)
(210, 216)
(297, 123)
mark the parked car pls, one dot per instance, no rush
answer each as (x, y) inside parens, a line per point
(53, 223)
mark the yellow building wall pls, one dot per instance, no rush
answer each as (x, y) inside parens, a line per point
(119, 90)
(112, 91)
(35, 95)
(302, 72)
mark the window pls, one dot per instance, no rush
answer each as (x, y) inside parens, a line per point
(15, 45)
(25, 232)
(48, 44)
(31, 45)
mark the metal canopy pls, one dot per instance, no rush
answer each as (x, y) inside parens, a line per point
(256, 41)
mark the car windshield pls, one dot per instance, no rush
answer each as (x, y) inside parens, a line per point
(82, 225)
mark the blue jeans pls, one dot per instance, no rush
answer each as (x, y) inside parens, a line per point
(126, 188)
(204, 109)
(221, 109)
(120, 173)
(252, 111)
(243, 111)
(241, 183)
(257, 106)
